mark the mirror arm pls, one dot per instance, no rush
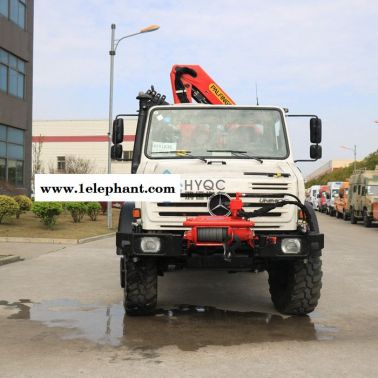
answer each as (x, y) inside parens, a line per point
(126, 115)
(303, 115)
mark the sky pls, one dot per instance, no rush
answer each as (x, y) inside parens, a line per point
(313, 57)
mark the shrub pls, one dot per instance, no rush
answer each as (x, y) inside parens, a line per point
(77, 210)
(93, 209)
(25, 204)
(47, 211)
(8, 207)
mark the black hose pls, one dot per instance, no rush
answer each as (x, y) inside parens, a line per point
(266, 209)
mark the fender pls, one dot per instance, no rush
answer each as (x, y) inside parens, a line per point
(125, 224)
(314, 225)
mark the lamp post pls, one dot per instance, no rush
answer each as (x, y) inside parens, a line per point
(354, 149)
(113, 48)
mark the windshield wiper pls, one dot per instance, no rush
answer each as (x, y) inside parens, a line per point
(182, 153)
(238, 153)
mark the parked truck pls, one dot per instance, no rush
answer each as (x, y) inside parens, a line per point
(363, 196)
(341, 201)
(323, 196)
(313, 196)
(242, 200)
(333, 191)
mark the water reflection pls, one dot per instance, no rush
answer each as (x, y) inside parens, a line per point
(188, 327)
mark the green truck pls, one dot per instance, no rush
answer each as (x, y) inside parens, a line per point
(363, 196)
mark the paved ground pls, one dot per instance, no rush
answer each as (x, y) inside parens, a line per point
(28, 250)
(61, 315)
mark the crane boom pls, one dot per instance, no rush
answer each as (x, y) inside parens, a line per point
(192, 82)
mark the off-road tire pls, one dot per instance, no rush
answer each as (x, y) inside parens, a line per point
(295, 285)
(338, 215)
(353, 219)
(141, 287)
(366, 219)
(345, 215)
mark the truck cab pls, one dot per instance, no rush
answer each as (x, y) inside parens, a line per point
(219, 149)
(334, 187)
(313, 196)
(341, 201)
(363, 196)
(323, 197)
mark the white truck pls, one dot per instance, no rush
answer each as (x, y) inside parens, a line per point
(242, 202)
(313, 197)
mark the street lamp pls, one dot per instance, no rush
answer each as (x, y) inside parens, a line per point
(354, 149)
(113, 48)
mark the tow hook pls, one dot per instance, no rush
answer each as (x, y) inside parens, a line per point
(227, 254)
(229, 250)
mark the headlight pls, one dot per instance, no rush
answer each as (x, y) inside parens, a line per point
(291, 245)
(150, 244)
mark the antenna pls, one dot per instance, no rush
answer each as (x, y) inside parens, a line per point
(257, 97)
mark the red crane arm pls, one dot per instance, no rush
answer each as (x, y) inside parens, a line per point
(192, 82)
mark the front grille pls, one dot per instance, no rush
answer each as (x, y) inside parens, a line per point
(283, 187)
(172, 214)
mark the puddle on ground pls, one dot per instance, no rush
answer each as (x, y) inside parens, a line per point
(186, 326)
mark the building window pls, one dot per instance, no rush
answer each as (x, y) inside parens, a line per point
(14, 10)
(128, 155)
(61, 163)
(2, 169)
(12, 74)
(11, 155)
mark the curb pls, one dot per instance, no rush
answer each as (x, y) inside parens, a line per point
(9, 259)
(93, 238)
(55, 241)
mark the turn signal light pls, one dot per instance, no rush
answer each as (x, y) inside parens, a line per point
(136, 213)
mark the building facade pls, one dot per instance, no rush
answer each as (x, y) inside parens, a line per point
(16, 80)
(61, 140)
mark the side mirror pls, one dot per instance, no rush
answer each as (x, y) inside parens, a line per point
(116, 151)
(117, 136)
(315, 151)
(315, 130)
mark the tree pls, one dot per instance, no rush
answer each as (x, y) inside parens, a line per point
(342, 174)
(74, 165)
(37, 164)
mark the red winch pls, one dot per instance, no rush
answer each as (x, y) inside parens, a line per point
(221, 230)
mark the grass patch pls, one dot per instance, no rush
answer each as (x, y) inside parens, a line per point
(30, 226)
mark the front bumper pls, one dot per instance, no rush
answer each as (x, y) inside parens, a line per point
(173, 245)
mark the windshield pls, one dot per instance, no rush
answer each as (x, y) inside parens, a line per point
(372, 189)
(232, 133)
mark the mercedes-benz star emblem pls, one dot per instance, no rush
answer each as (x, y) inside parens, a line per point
(219, 203)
